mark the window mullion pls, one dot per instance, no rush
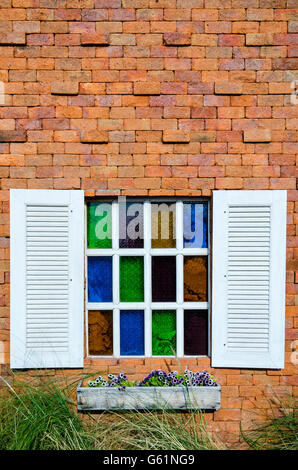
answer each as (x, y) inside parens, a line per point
(179, 225)
(116, 298)
(116, 332)
(147, 279)
(115, 225)
(180, 332)
(179, 279)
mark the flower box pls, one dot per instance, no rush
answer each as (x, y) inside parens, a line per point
(150, 398)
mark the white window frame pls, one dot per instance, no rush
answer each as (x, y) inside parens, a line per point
(147, 306)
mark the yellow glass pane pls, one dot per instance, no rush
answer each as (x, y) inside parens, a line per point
(163, 233)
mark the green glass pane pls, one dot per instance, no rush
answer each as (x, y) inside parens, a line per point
(99, 225)
(163, 332)
(131, 279)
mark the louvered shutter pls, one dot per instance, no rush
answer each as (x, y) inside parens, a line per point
(248, 279)
(47, 278)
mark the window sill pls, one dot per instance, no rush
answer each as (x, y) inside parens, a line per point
(150, 398)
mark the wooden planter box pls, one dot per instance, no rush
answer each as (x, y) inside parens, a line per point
(148, 398)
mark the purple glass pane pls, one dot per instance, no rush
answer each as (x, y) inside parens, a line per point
(131, 222)
(163, 278)
(195, 332)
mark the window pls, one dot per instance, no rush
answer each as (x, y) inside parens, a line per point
(147, 271)
(147, 288)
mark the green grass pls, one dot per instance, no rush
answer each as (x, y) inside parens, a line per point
(44, 417)
(280, 433)
(162, 431)
(41, 418)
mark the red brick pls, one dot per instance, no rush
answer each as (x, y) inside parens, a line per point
(94, 136)
(65, 88)
(175, 136)
(257, 135)
(177, 39)
(12, 136)
(203, 136)
(231, 39)
(285, 39)
(228, 88)
(12, 39)
(227, 415)
(259, 39)
(144, 88)
(95, 39)
(284, 64)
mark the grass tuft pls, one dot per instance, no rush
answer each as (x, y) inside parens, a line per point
(278, 434)
(163, 430)
(42, 418)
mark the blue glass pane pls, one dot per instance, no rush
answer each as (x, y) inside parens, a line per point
(132, 333)
(195, 225)
(100, 279)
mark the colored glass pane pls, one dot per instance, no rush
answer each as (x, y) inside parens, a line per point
(131, 225)
(131, 279)
(100, 279)
(163, 278)
(195, 332)
(195, 225)
(100, 332)
(195, 278)
(163, 231)
(132, 332)
(99, 225)
(163, 332)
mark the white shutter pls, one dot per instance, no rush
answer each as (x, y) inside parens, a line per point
(248, 279)
(47, 278)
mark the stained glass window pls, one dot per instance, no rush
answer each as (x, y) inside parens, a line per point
(147, 279)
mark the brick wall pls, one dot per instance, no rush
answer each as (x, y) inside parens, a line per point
(153, 97)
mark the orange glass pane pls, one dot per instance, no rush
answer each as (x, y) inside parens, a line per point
(195, 278)
(100, 332)
(163, 233)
